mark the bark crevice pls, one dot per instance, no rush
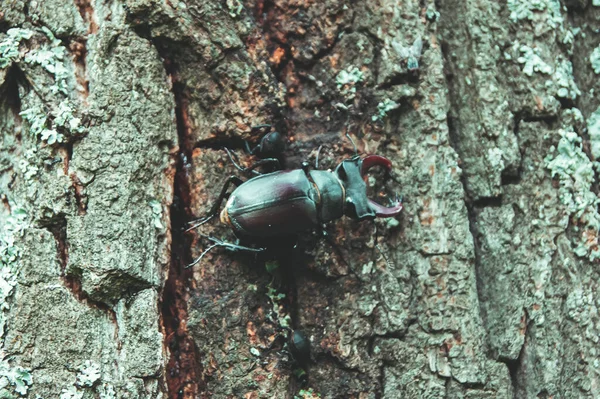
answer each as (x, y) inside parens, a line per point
(184, 370)
(58, 228)
(86, 10)
(515, 366)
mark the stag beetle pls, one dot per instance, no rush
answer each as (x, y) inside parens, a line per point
(287, 202)
(291, 201)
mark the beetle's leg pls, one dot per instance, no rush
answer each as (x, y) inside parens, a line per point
(353, 143)
(266, 161)
(256, 148)
(317, 157)
(258, 127)
(231, 156)
(215, 208)
(220, 243)
(378, 247)
(248, 149)
(336, 249)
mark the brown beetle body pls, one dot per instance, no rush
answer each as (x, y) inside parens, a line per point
(284, 203)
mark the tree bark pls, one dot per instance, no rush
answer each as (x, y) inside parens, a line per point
(113, 116)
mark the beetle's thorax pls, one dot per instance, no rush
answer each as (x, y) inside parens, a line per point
(331, 194)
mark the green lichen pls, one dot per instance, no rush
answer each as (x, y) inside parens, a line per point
(54, 126)
(11, 231)
(17, 377)
(27, 164)
(51, 56)
(347, 79)
(383, 108)
(89, 374)
(106, 391)
(278, 315)
(532, 62)
(9, 47)
(255, 351)
(432, 14)
(307, 394)
(350, 75)
(561, 83)
(593, 126)
(14, 228)
(10, 255)
(156, 208)
(595, 60)
(71, 393)
(531, 9)
(564, 81)
(235, 7)
(51, 123)
(496, 158)
(575, 172)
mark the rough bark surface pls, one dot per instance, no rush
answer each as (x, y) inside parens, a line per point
(113, 116)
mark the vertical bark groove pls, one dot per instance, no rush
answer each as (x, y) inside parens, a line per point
(184, 369)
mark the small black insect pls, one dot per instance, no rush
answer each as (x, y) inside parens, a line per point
(299, 345)
(270, 146)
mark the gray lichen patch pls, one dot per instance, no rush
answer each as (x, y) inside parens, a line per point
(50, 114)
(481, 120)
(113, 255)
(595, 60)
(575, 173)
(400, 51)
(140, 335)
(42, 304)
(61, 17)
(528, 261)
(593, 130)
(13, 377)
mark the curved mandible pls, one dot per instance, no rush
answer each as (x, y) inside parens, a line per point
(380, 211)
(374, 160)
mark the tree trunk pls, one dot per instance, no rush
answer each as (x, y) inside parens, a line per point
(113, 116)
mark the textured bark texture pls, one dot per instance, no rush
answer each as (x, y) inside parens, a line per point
(113, 119)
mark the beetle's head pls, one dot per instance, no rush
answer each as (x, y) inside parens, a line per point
(351, 173)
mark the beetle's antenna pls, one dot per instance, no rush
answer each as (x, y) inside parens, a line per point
(199, 258)
(353, 143)
(317, 157)
(200, 223)
(220, 243)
